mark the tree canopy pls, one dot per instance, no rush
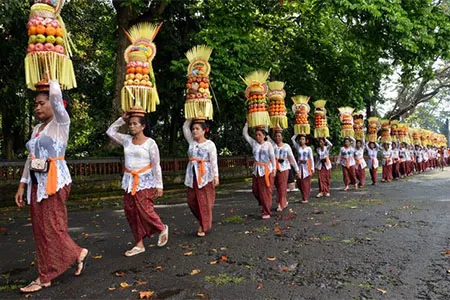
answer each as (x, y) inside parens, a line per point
(340, 51)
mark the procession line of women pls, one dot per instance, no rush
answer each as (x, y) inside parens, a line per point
(48, 178)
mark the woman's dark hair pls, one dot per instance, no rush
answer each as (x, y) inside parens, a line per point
(263, 132)
(205, 126)
(147, 131)
(47, 94)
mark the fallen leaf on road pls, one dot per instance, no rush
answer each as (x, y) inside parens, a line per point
(28, 296)
(200, 295)
(271, 258)
(260, 286)
(124, 284)
(448, 271)
(314, 239)
(195, 271)
(188, 253)
(141, 282)
(158, 267)
(120, 274)
(111, 288)
(284, 269)
(287, 217)
(21, 241)
(223, 248)
(97, 257)
(145, 295)
(213, 262)
(446, 252)
(381, 291)
(224, 258)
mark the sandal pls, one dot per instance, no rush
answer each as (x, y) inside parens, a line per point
(84, 263)
(39, 286)
(164, 233)
(134, 251)
(265, 217)
(304, 202)
(201, 234)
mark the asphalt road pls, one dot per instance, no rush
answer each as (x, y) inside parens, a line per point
(382, 242)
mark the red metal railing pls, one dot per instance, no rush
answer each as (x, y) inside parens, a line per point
(114, 165)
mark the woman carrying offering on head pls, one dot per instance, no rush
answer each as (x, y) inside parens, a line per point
(263, 168)
(305, 165)
(323, 167)
(347, 160)
(48, 182)
(284, 158)
(202, 173)
(142, 179)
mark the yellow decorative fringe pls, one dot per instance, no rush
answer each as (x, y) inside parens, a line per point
(359, 135)
(347, 132)
(144, 30)
(198, 109)
(386, 139)
(279, 121)
(55, 66)
(145, 97)
(372, 137)
(321, 132)
(258, 119)
(256, 76)
(303, 129)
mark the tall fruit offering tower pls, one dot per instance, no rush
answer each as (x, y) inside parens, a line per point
(48, 52)
(139, 88)
(198, 103)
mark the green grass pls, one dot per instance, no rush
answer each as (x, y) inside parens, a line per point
(234, 220)
(222, 279)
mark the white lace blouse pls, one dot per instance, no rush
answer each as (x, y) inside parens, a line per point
(198, 152)
(49, 143)
(263, 153)
(136, 158)
(305, 158)
(284, 155)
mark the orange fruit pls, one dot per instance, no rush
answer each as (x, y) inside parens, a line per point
(145, 70)
(32, 30)
(40, 29)
(131, 70)
(59, 31)
(50, 30)
(138, 70)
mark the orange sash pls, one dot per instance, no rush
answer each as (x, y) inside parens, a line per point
(347, 161)
(278, 163)
(136, 177)
(266, 171)
(52, 177)
(201, 168)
